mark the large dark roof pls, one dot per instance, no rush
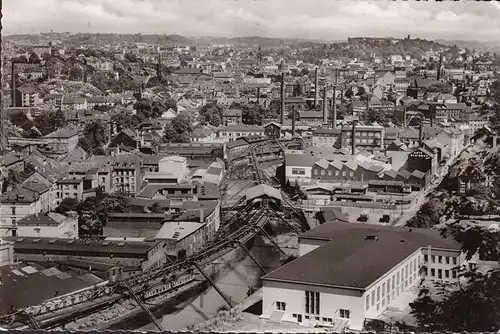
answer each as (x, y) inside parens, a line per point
(348, 260)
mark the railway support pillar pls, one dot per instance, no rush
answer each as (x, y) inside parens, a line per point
(252, 257)
(271, 240)
(212, 283)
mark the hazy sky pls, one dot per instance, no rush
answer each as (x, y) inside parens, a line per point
(320, 19)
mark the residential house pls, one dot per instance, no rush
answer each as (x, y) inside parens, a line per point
(74, 103)
(232, 116)
(27, 96)
(49, 225)
(15, 205)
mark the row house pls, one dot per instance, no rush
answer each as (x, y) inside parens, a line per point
(382, 105)
(100, 101)
(74, 103)
(447, 111)
(15, 205)
(311, 117)
(233, 131)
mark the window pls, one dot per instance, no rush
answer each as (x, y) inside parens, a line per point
(433, 272)
(323, 172)
(447, 258)
(298, 171)
(440, 259)
(281, 306)
(337, 173)
(373, 298)
(447, 273)
(378, 294)
(433, 257)
(343, 173)
(13, 210)
(455, 261)
(312, 302)
(351, 174)
(454, 273)
(367, 302)
(75, 186)
(383, 289)
(397, 277)
(393, 282)
(345, 314)
(315, 172)
(329, 173)
(440, 273)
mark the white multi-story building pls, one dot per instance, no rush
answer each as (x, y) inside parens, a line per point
(50, 225)
(347, 273)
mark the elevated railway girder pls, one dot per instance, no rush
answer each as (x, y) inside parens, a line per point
(240, 227)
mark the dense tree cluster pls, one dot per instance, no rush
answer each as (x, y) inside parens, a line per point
(179, 130)
(253, 113)
(125, 120)
(211, 113)
(50, 121)
(94, 138)
(429, 214)
(93, 212)
(152, 109)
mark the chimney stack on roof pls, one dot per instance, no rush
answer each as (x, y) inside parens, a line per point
(353, 139)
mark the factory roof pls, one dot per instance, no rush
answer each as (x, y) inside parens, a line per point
(350, 258)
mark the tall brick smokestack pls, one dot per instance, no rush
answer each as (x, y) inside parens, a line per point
(13, 85)
(439, 66)
(334, 120)
(294, 115)
(282, 98)
(158, 67)
(316, 87)
(325, 106)
(353, 138)
(420, 135)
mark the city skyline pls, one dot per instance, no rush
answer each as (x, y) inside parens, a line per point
(316, 19)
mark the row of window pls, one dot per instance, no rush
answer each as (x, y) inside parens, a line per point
(364, 134)
(440, 273)
(86, 253)
(447, 259)
(397, 282)
(330, 173)
(364, 141)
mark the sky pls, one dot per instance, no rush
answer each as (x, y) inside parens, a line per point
(313, 19)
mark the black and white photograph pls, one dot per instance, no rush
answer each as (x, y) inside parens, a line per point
(278, 166)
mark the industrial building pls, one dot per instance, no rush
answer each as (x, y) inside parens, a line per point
(347, 273)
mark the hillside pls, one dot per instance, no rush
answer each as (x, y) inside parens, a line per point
(474, 45)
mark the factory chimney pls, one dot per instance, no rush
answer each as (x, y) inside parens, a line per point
(404, 117)
(294, 115)
(13, 85)
(85, 77)
(439, 66)
(158, 67)
(316, 87)
(353, 138)
(420, 135)
(325, 107)
(334, 120)
(282, 97)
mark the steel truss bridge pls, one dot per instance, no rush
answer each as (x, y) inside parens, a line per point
(241, 222)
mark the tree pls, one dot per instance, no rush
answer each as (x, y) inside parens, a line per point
(11, 180)
(94, 137)
(480, 292)
(67, 204)
(156, 208)
(440, 87)
(21, 120)
(253, 113)
(179, 130)
(428, 215)
(208, 112)
(297, 89)
(125, 120)
(93, 212)
(374, 115)
(50, 121)
(34, 59)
